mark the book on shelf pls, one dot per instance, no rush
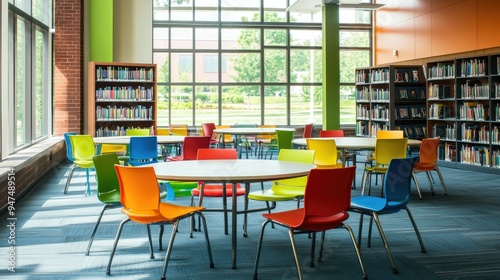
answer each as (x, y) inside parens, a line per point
(403, 93)
(402, 112)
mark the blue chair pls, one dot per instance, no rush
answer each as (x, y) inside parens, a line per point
(143, 150)
(69, 155)
(397, 184)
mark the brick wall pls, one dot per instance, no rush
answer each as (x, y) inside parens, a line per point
(68, 72)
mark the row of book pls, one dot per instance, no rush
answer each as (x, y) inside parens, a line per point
(411, 93)
(436, 91)
(112, 73)
(445, 132)
(362, 76)
(473, 111)
(413, 131)
(376, 94)
(497, 91)
(473, 67)
(475, 91)
(495, 159)
(369, 129)
(128, 93)
(439, 111)
(441, 71)
(380, 76)
(114, 112)
(403, 112)
(403, 75)
(496, 113)
(119, 131)
(475, 155)
(378, 112)
(475, 133)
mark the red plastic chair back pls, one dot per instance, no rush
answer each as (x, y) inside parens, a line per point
(331, 133)
(207, 154)
(308, 129)
(192, 144)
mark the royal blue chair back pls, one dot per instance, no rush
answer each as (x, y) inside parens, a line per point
(143, 150)
(397, 183)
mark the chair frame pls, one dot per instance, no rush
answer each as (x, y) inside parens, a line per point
(427, 163)
(69, 155)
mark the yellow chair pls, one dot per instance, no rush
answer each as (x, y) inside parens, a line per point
(389, 134)
(162, 131)
(120, 150)
(179, 129)
(228, 138)
(386, 150)
(287, 189)
(83, 152)
(326, 155)
(139, 195)
(265, 139)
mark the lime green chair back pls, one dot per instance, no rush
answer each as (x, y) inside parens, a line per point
(137, 132)
(83, 152)
(294, 186)
(284, 138)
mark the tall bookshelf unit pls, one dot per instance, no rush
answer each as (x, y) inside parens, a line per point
(463, 106)
(391, 97)
(121, 96)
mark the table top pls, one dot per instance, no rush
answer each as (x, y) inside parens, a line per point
(126, 139)
(230, 171)
(251, 130)
(354, 143)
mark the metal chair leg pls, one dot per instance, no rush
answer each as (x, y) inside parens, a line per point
(118, 233)
(106, 206)
(70, 175)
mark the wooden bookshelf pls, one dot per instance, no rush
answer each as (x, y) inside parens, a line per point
(391, 97)
(121, 96)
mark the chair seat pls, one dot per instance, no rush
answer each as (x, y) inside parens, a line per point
(295, 220)
(270, 195)
(366, 203)
(175, 158)
(167, 212)
(215, 190)
(83, 163)
(424, 166)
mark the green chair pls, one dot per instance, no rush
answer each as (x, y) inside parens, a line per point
(108, 187)
(83, 152)
(283, 141)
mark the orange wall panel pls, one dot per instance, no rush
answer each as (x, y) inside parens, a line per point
(422, 7)
(440, 4)
(454, 29)
(423, 35)
(395, 12)
(399, 38)
(488, 21)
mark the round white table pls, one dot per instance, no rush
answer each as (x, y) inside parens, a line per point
(238, 131)
(125, 140)
(231, 171)
(353, 143)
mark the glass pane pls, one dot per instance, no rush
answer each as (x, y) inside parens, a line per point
(306, 66)
(182, 105)
(162, 106)
(275, 11)
(355, 16)
(40, 84)
(206, 10)
(182, 67)
(207, 99)
(206, 38)
(160, 38)
(182, 38)
(42, 10)
(313, 17)
(275, 105)
(347, 105)
(350, 60)
(244, 39)
(24, 5)
(275, 37)
(160, 10)
(182, 10)
(275, 66)
(207, 67)
(305, 105)
(240, 10)
(300, 37)
(360, 39)
(242, 67)
(21, 80)
(161, 61)
(241, 105)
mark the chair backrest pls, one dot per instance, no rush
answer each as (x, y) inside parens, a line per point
(113, 148)
(179, 129)
(208, 129)
(69, 148)
(267, 136)
(428, 150)
(107, 181)
(227, 137)
(83, 147)
(143, 150)
(388, 134)
(328, 193)
(326, 152)
(207, 154)
(388, 149)
(397, 182)
(139, 191)
(293, 185)
(137, 132)
(308, 130)
(162, 131)
(192, 144)
(331, 133)
(284, 138)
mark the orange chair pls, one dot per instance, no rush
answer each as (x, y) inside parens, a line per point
(325, 208)
(308, 130)
(190, 147)
(208, 131)
(139, 195)
(428, 163)
(216, 190)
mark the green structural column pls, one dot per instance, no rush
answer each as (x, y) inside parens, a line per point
(331, 67)
(101, 30)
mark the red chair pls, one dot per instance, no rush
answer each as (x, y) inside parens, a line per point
(214, 189)
(331, 133)
(308, 130)
(427, 163)
(190, 148)
(325, 207)
(208, 131)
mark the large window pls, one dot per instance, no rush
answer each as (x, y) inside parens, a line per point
(29, 73)
(250, 61)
